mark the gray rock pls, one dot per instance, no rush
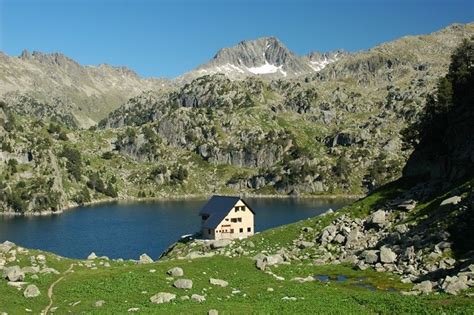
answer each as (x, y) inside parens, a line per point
(261, 264)
(450, 201)
(213, 312)
(30, 269)
(92, 256)
(387, 256)
(162, 297)
(31, 291)
(307, 229)
(305, 244)
(424, 287)
(183, 284)
(13, 274)
(218, 282)
(220, 243)
(99, 303)
(145, 259)
(370, 256)
(198, 298)
(453, 285)
(378, 218)
(339, 238)
(273, 259)
(175, 272)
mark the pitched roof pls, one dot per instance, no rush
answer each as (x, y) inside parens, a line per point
(217, 208)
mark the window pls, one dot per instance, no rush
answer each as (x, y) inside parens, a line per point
(209, 231)
(227, 219)
(231, 230)
(249, 229)
(237, 209)
(241, 230)
(236, 220)
(242, 208)
(239, 219)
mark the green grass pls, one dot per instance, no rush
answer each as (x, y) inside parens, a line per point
(123, 286)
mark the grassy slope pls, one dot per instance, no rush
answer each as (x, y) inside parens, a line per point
(126, 285)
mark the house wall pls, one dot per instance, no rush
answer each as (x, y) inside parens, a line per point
(224, 229)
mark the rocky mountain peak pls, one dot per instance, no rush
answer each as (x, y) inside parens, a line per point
(54, 58)
(265, 56)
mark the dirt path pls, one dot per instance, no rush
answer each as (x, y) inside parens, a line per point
(51, 288)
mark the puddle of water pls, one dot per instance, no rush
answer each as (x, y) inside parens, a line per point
(367, 286)
(341, 278)
(322, 278)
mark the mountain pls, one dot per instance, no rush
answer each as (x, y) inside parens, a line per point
(266, 57)
(89, 93)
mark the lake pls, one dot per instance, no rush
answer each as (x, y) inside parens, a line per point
(129, 229)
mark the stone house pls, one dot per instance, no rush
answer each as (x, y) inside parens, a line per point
(226, 217)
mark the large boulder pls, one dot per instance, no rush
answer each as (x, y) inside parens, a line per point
(145, 259)
(31, 291)
(13, 274)
(220, 243)
(424, 287)
(450, 201)
(370, 256)
(218, 282)
(377, 219)
(273, 259)
(92, 256)
(6, 246)
(198, 298)
(305, 244)
(175, 272)
(453, 285)
(183, 284)
(387, 256)
(162, 297)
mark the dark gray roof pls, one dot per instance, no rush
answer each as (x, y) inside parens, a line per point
(217, 208)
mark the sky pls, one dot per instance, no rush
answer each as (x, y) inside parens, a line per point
(167, 38)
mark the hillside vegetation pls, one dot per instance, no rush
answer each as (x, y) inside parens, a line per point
(337, 132)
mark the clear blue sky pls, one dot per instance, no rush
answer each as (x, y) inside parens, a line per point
(167, 38)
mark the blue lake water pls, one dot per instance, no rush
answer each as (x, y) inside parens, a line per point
(126, 230)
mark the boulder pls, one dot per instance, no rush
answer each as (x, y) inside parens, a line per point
(183, 284)
(99, 303)
(339, 238)
(31, 291)
(5, 247)
(175, 272)
(378, 218)
(145, 259)
(162, 297)
(220, 243)
(387, 256)
(352, 236)
(30, 269)
(218, 282)
(453, 285)
(370, 256)
(92, 256)
(305, 244)
(13, 274)
(273, 259)
(261, 264)
(450, 201)
(213, 312)
(307, 229)
(424, 287)
(198, 298)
